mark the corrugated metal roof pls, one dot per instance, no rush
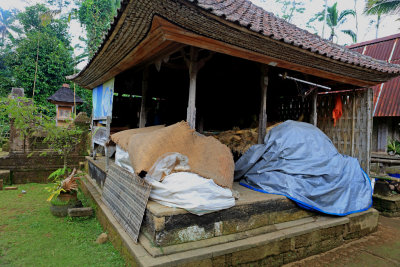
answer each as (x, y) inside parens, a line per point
(386, 95)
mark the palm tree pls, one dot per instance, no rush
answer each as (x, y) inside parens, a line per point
(334, 20)
(379, 7)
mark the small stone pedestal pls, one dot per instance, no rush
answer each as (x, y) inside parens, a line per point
(387, 205)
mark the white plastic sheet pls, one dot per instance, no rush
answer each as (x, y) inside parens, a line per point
(184, 189)
(191, 192)
(167, 163)
(122, 159)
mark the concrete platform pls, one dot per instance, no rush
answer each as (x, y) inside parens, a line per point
(257, 238)
(254, 213)
(164, 227)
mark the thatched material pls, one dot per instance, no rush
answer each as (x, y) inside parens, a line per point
(239, 141)
(65, 95)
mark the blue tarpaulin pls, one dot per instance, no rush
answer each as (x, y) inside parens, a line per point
(102, 97)
(299, 161)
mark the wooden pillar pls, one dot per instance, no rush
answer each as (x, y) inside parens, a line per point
(353, 124)
(314, 114)
(194, 64)
(143, 106)
(370, 112)
(193, 70)
(262, 118)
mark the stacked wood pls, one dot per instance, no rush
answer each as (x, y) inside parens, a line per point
(240, 140)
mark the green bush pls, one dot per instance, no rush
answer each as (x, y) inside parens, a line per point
(394, 147)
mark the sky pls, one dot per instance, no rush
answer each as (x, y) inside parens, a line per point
(366, 24)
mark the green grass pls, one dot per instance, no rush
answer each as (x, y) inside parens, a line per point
(31, 236)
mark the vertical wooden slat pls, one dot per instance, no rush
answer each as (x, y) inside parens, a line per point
(193, 69)
(143, 106)
(262, 119)
(314, 116)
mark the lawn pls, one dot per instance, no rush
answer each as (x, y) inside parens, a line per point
(31, 236)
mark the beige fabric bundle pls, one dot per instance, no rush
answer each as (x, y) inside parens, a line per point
(208, 157)
(122, 138)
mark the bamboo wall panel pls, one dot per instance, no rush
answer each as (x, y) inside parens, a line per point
(350, 137)
(292, 108)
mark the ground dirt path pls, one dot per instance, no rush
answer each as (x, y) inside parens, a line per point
(381, 248)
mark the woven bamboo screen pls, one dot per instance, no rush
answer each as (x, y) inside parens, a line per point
(351, 137)
(353, 131)
(292, 108)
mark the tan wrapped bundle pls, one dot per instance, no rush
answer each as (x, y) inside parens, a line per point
(207, 156)
(122, 138)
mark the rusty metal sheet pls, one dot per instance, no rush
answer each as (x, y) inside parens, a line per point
(387, 95)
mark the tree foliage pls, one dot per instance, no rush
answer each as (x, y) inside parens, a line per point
(334, 20)
(96, 16)
(54, 63)
(290, 8)
(379, 7)
(46, 40)
(7, 27)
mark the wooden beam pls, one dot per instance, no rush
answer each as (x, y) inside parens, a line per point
(143, 106)
(262, 118)
(175, 33)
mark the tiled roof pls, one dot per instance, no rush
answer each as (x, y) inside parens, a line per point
(258, 20)
(386, 95)
(258, 31)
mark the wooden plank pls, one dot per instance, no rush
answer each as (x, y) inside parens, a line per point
(126, 195)
(262, 118)
(382, 137)
(143, 106)
(151, 48)
(100, 118)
